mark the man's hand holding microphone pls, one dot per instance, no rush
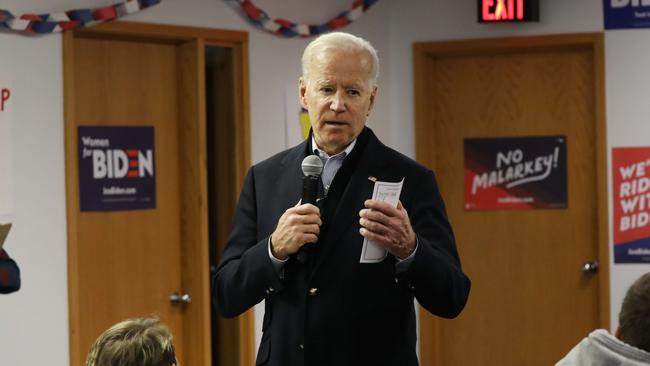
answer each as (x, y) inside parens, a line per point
(300, 224)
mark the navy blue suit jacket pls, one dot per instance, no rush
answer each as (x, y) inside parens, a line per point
(334, 310)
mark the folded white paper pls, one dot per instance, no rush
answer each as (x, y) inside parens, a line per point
(387, 192)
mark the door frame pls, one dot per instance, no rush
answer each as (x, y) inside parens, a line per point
(424, 55)
(191, 42)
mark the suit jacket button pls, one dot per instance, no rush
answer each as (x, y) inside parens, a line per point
(301, 346)
(313, 291)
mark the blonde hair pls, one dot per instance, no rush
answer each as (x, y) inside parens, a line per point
(340, 41)
(134, 342)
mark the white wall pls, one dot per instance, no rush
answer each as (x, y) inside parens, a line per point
(627, 88)
(34, 321)
(36, 318)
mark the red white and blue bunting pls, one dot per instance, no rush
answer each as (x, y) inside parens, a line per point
(57, 22)
(286, 28)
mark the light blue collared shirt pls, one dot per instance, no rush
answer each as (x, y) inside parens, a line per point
(331, 164)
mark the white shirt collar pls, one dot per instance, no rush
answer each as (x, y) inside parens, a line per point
(322, 153)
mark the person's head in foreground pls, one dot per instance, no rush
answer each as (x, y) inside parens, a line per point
(630, 346)
(134, 342)
(634, 318)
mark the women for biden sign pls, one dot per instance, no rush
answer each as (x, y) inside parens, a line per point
(631, 195)
(116, 168)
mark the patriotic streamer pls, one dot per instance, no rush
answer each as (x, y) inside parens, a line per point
(288, 29)
(78, 18)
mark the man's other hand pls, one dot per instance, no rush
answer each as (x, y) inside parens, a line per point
(389, 226)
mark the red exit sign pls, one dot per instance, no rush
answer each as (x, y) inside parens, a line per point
(499, 11)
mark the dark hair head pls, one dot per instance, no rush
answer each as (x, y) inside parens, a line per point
(634, 318)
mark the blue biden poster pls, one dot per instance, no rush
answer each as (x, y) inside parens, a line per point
(621, 14)
(116, 168)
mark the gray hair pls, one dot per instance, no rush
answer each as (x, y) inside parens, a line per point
(341, 41)
(634, 318)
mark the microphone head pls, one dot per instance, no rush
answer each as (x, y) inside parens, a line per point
(312, 166)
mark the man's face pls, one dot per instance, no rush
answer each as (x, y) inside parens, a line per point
(338, 95)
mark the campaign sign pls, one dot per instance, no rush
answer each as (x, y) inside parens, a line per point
(620, 14)
(116, 168)
(631, 195)
(515, 173)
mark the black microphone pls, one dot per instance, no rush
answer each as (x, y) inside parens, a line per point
(312, 167)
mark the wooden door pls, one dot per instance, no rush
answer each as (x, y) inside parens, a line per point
(530, 303)
(130, 261)
(125, 264)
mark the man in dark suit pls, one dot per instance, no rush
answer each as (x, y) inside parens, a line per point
(327, 307)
